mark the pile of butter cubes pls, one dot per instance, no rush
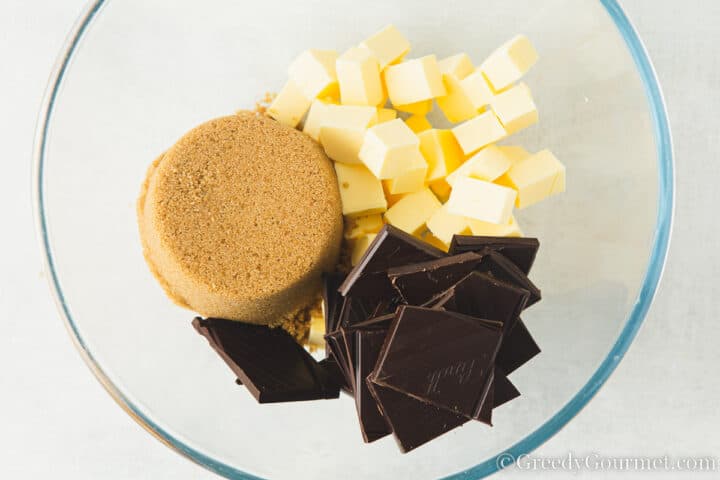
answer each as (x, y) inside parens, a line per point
(433, 183)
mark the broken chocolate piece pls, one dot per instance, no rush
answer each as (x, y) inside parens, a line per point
(498, 266)
(517, 348)
(503, 389)
(332, 299)
(418, 283)
(440, 357)
(391, 248)
(268, 361)
(521, 251)
(413, 422)
(367, 347)
(482, 296)
(338, 352)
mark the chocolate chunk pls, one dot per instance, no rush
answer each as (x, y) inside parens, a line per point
(347, 334)
(268, 361)
(440, 357)
(367, 347)
(420, 282)
(517, 348)
(332, 299)
(520, 251)
(359, 309)
(482, 296)
(391, 248)
(498, 266)
(338, 352)
(330, 370)
(503, 389)
(413, 422)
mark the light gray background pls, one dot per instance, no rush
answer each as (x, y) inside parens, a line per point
(56, 420)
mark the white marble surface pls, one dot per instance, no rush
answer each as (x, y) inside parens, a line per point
(56, 421)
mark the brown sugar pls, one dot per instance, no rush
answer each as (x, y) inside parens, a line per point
(239, 219)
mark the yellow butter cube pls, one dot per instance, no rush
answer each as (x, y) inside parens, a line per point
(313, 71)
(342, 144)
(359, 226)
(392, 199)
(456, 105)
(412, 211)
(514, 153)
(535, 178)
(510, 62)
(358, 75)
(360, 246)
(387, 148)
(349, 116)
(478, 90)
(441, 151)
(314, 118)
(515, 108)
(418, 123)
(388, 45)
(426, 236)
(414, 81)
(444, 225)
(479, 132)
(485, 229)
(481, 200)
(360, 192)
(418, 108)
(488, 164)
(441, 189)
(289, 106)
(413, 178)
(386, 114)
(458, 66)
(316, 335)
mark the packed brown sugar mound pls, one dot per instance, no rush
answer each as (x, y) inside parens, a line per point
(240, 218)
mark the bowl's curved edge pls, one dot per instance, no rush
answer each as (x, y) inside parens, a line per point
(553, 425)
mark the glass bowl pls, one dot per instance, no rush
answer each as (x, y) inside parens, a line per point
(135, 75)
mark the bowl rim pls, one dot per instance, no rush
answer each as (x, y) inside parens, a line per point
(653, 274)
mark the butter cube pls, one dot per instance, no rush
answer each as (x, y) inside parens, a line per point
(289, 106)
(360, 192)
(479, 132)
(485, 229)
(413, 210)
(388, 147)
(349, 116)
(413, 178)
(316, 335)
(481, 200)
(418, 123)
(535, 178)
(488, 164)
(510, 62)
(478, 90)
(441, 189)
(414, 80)
(515, 108)
(418, 108)
(388, 45)
(441, 151)
(313, 71)
(386, 114)
(431, 239)
(444, 225)
(514, 153)
(392, 199)
(358, 75)
(359, 226)
(360, 246)
(456, 105)
(457, 66)
(342, 144)
(314, 118)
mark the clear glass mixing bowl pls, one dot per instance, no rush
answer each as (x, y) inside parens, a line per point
(135, 75)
